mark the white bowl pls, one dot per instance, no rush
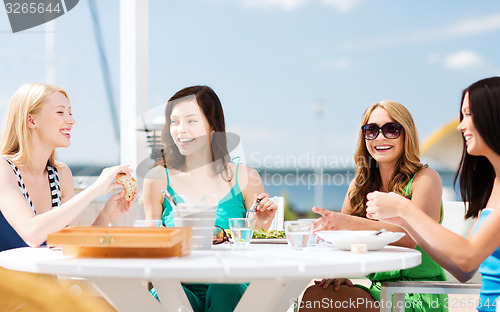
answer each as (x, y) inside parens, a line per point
(344, 239)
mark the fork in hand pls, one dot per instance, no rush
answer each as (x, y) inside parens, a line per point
(251, 211)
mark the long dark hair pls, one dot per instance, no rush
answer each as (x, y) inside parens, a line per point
(210, 105)
(476, 173)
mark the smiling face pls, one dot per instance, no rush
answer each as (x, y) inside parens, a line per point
(473, 140)
(53, 122)
(189, 128)
(383, 150)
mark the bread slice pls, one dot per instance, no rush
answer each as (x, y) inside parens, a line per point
(128, 183)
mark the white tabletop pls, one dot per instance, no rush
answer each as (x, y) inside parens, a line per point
(275, 272)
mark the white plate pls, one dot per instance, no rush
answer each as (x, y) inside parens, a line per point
(344, 239)
(268, 241)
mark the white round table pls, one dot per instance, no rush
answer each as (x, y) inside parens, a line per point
(276, 273)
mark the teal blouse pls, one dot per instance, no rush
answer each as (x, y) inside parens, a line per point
(490, 272)
(230, 206)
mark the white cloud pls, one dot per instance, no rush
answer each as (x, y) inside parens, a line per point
(343, 6)
(462, 59)
(460, 29)
(471, 27)
(456, 60)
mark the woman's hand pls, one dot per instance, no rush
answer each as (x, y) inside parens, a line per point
(386, 206)
(105, 182)
(115, 207)
(336, 282)
(331, 220)
(264, 212)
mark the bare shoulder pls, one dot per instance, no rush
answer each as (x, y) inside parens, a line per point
(427, 176)
(248, 179)
(426, 185)
(155, 179)
(156, 173)
(7, 174)
(5, 166)
(248, 170)
(351, 185)
(65, 180)
(346, 205)
(246, 173)
(63, 171)
(10, 194)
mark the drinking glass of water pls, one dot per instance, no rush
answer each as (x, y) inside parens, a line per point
(241, 230)
(313, 239)
(297, 234)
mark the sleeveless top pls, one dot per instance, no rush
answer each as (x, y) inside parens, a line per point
(230, 206)
(9, 238)
(428, 270)
(490, 274)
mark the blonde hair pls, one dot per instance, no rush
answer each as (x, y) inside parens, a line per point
(16, 137)
(367, 178)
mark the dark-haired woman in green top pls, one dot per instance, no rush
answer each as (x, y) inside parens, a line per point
(196, 163)
(388, 160)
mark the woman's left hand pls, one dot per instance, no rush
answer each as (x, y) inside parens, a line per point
(115, 207)
(264, 212)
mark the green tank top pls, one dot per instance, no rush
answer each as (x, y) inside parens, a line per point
(230, 206)
(428, 270)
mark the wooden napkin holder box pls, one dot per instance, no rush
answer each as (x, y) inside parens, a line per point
(123, 242)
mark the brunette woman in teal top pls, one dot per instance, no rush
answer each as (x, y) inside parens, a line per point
(479, 176)
(196, 163)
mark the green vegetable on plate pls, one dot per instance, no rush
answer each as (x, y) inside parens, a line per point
(264, 234)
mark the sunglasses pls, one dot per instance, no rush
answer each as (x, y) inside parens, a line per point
(391, 130)
(220, 236)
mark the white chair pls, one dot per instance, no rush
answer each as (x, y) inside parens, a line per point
(280, 214)
(454, 212)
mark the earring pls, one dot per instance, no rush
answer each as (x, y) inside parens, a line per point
(31, 122)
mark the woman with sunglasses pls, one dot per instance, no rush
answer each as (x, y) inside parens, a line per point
(196, 163)
(479, 176)
(387, 160)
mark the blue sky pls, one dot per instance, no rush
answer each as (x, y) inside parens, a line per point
(271, 62)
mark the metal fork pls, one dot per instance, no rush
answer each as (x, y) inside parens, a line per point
(251, 211)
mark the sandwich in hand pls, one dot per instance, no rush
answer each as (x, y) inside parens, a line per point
(128, 183)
